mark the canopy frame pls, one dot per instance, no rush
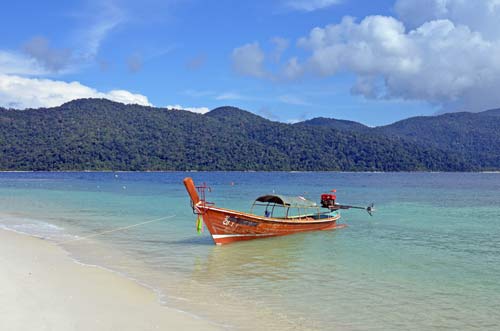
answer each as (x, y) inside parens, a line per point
(305, 208)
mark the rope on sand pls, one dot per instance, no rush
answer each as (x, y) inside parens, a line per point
(117, 229)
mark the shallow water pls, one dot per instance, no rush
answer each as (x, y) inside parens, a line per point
(428, 259)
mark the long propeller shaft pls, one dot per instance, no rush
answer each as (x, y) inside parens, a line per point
(370, 209)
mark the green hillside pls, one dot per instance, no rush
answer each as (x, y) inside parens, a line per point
(97, 134)
(472, 137)
(475, 136)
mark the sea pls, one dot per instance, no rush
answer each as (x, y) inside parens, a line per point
(428, 258)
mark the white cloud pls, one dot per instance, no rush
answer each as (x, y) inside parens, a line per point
(367, 86)
(19, 64)
(125, 96)
(416, 13)
(445, 52)
(99, 19)
(280, 45)
(439, 61)
(310, 5)
(199, 110)
(20, 89)
(292, 69)
(19, 92)
(378, 43)
(481, 16)
(39, 58)
(249, 60)
(230, 96)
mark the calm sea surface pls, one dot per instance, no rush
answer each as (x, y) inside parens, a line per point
(429, 259)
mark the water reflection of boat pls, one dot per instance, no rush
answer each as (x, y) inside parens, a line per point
(282, 215)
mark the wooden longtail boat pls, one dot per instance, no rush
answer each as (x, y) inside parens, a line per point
(282, 215)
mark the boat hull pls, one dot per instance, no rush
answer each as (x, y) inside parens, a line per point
(227, 226)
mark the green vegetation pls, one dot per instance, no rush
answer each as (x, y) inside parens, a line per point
(96, 134)
(474, 136)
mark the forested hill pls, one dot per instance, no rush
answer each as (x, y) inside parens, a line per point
(475, 137)
(336, 124)
(97, 134)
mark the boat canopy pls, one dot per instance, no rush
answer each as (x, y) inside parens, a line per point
(288, 201)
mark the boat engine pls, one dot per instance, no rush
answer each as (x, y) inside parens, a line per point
(328, 201)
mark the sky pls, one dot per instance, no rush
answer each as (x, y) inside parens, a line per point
(374, 62)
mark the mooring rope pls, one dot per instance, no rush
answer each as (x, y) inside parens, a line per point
(117, 229)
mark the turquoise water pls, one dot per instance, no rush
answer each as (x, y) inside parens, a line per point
(429, 259)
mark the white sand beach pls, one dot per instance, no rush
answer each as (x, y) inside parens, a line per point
(42, 288)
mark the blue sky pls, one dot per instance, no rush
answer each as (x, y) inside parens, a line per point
(370, 61)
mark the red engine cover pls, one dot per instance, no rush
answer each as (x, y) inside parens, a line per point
(328, 197)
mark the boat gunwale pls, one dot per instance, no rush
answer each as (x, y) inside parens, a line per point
(268, 219)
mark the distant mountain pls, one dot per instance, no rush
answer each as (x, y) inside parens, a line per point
(233, 114)
(98, 134)
(343, 125)
(475, 136)
(491, 112)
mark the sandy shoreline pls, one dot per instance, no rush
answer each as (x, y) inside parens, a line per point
(42, 288)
